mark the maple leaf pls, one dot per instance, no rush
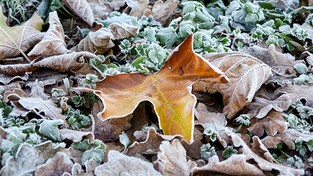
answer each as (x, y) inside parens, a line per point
(169, 90)
(18, 39)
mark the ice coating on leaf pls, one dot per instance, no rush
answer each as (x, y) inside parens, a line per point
(169, 90)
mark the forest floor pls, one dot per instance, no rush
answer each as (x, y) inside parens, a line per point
(132, 87)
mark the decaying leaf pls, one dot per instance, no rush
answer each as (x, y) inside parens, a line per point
(28, 158)
(246, 74)
(117, 4)
(90, 166)
(56, 165)
(4, 79)
(296, 92)
(61, 63)
(169, 90)
(272, 123)
(122, 30)
(100, 8)
(18, 39)
(37, 103)
(149, 146)
(137, 7)
(234, 165)
(82, 9)
(172, 159)
(120, 164)
(111, 129)
(264, 105)
(161, 11)
(262, 163)
(75, 136)
(53, 41)
(210, 120)
(273, 56)
(238, 164)
(288, 137)
(97, 42)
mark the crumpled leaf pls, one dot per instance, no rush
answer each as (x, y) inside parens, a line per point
(90, 166)
(83, 9)
(4, 79)
(172, 159)
(296, 92)
(211, 120)
(18, 39)
(280, 62)
(241, 69)
(288, 137)
(111, 129)
(75, 136)
(100, 8)
(61, 63)
(137, 7)
(264, 105)
(53, 41)
(238, 164)
(161, 11)
(37, 103)
(120, 164)
(169, 90)
(28, 158)
(149, 146)
(117, 4)
(96, 42)
(122, 30)
(272, 123)
(234, 165)
(57, 165)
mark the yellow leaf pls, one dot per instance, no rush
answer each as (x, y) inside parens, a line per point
(169, 90)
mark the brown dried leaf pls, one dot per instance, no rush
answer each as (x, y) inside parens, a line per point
(100, 8)
(57, 165)
(273, 56)
(122, 30)
(110, 130)
(65, 62)
(4, 79)
(241, 69)
(61, 63)
(234, 165)
(28, 158)
(149, 146)
(172, 159)
(288, 137)
(262, 163)
(162, 11)
(18, 39)
(265, 105)
(83, 9)
(96, 42)
(120, 164)
(53, 41)
(273, 123)
(75, 136)
(16, 69)
(37, 103)
(117, 4)
(211, 120)
(297, 92)
(90, 166)
(137, 7)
